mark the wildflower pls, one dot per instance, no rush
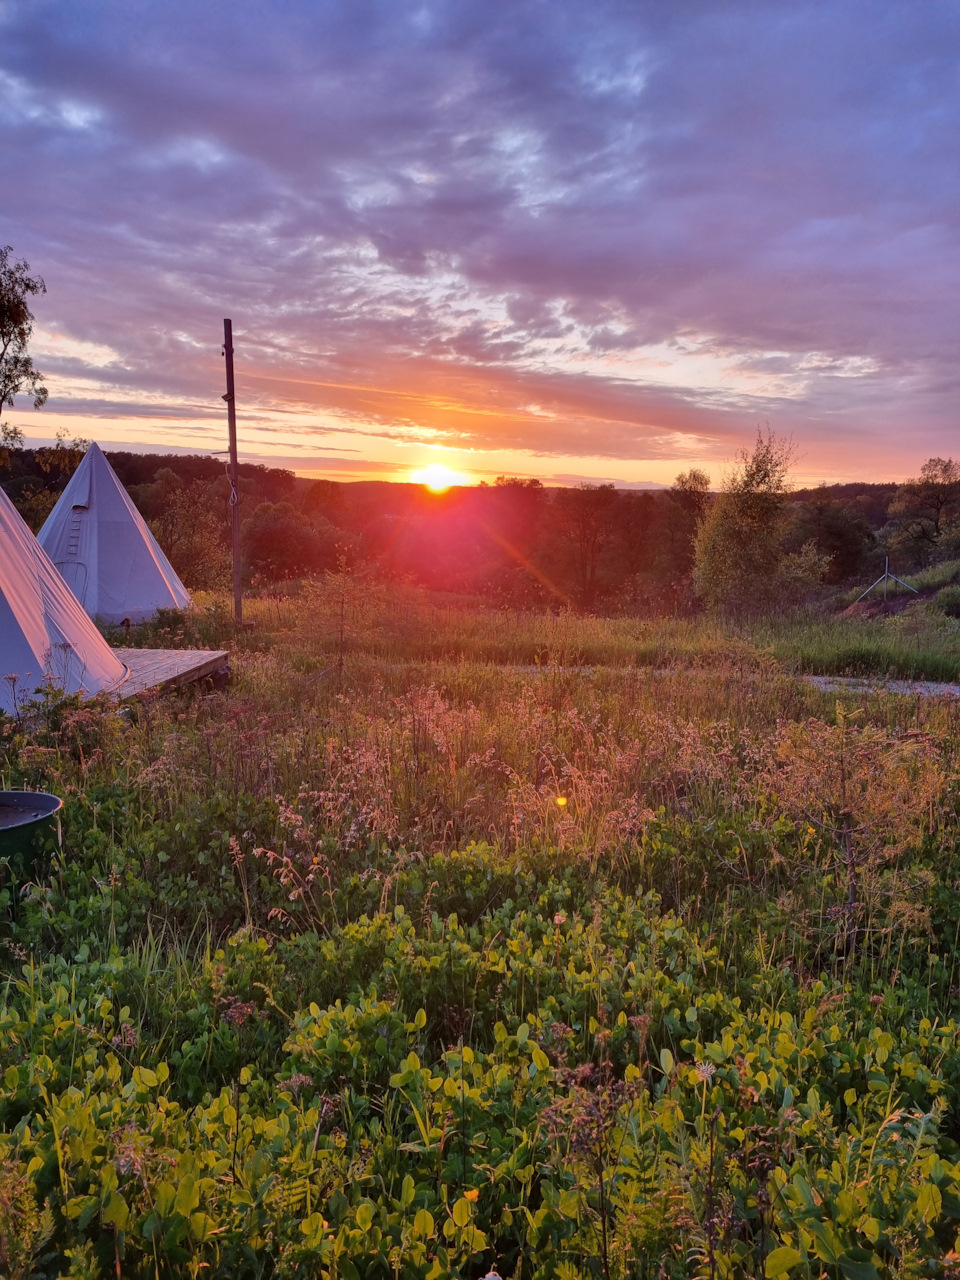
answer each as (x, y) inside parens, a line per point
(237, 1013)
(298, 1082)
(811, 831)
(473, 1195)
(705, 1070)
(559, 919)
(561, 801)
(126, 1038)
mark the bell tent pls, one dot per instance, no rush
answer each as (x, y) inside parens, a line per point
(100, 542)
(44, 632)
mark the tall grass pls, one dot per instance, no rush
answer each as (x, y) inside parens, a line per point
(324, 624)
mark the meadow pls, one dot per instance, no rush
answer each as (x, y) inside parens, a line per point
(446, 941)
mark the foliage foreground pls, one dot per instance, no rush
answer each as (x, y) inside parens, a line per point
(372, 965)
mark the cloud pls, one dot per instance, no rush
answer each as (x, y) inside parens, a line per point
(656, 225)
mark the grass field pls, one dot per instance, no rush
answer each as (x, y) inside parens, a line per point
(447, 941)
(355, 619)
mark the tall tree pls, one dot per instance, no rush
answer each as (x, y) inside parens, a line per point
(926, 510)
(585, 528)
(739, 545)
(684, 506)
(838, 530)
(17, 373)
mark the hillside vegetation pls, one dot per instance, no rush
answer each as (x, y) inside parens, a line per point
(446, 941)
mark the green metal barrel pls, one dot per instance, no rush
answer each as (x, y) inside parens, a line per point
(29, 830)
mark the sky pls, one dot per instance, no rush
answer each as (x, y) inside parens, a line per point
(580, 241)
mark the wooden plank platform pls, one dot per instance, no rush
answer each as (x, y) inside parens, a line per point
(165, 668)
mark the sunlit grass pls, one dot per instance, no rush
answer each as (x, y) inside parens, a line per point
(403, 624)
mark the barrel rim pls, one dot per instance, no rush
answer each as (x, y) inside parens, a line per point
(45, 800)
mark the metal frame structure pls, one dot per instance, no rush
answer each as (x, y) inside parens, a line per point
(886, 577)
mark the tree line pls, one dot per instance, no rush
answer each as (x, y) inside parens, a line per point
(751, 545)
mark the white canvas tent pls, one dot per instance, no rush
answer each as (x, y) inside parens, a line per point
(44, 631)
(101, 544)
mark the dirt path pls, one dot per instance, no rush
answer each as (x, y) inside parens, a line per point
(842, 684)
(913, 688)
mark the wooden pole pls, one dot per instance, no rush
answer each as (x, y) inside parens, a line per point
(234, 479)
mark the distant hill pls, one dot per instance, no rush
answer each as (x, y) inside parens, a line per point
(872, 500)
(141, 468)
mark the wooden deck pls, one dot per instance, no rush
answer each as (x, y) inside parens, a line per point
(165, 668)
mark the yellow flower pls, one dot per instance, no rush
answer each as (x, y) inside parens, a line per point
(810, 831)
(561, 801)
(473, 1195)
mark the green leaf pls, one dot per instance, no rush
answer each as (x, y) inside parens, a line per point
(144, 1078)
(82, 1207)
(201, 1226)
(11, 1078)
(781, 1260)
(150, 1228)
(929, 1202)
(188, 1197)
(407, 1192)
(312, 1229)
(164, 1198)
(858, 1270)
(666, 1061)
(461, 1212)
(420, 1019)
(540, 1059)
(825, 1241)
(423, 1225)
(365, 1215)
(115, 1212)
(569, 1204)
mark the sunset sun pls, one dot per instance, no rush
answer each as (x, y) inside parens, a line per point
(438, 478)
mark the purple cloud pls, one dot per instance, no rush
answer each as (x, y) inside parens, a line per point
(565, 230)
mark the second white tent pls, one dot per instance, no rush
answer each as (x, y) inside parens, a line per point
(102, 546)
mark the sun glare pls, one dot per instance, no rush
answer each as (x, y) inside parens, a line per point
(438, 478)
